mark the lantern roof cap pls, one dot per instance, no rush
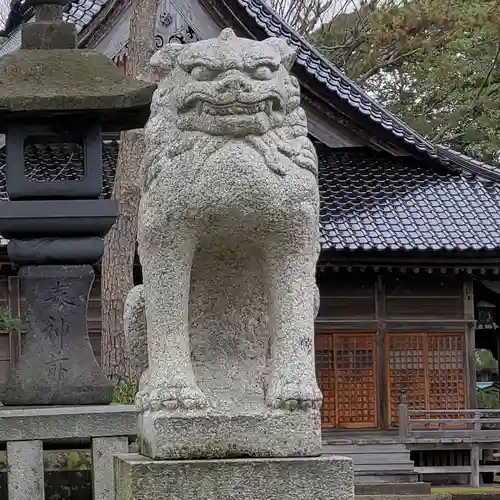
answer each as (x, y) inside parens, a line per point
(50, 76)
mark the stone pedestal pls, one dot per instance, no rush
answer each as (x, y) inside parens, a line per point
(318, 478)
(208, 434)
(57, 365)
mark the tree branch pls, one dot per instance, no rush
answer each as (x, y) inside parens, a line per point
(386, 63)
(490, 71)
(483, 85)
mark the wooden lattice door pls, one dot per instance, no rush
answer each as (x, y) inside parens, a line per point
(428, 368)
(325, 372)
(347, 377)
(406, 355)
(446, 372)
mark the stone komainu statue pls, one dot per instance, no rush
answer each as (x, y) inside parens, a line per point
(227, 234)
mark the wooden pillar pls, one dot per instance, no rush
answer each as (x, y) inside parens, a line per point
(404, 429)
(470, 342)
(475, 455)
(382, 379)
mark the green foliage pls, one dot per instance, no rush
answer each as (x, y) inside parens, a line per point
(488, 398)
(8, 323)
(436, 63)
(485, 361)
(125, 392)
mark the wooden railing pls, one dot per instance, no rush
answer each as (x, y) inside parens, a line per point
(107, 430)
(473, 429)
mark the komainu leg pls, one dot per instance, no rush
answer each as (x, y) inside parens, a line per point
(292, 382)
(169, 382)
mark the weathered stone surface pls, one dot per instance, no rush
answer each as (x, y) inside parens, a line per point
(134, 322)
(103, 451)
(175, 435)
(25, 462)
(57, 364)
(71, 80)
(75, 218)
(53, 251)
(227, 237)
(322, 478)
(49, 35)
(67, 422)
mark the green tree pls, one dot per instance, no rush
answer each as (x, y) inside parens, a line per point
(436, 63)
(486, 362)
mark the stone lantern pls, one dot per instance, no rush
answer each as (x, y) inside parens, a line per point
(53, 95)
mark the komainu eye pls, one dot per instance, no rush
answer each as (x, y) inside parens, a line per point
(202, 73)
(262, 72)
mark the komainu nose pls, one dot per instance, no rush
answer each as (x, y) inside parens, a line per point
(236, 85)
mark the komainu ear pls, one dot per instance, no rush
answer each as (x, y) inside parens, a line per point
(288, 53)
(163, 61)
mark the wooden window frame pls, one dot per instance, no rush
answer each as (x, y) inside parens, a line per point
(425, 336)
(339, 381)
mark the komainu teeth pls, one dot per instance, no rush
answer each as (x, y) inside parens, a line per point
(236, 109)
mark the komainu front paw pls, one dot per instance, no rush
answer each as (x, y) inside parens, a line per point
(159, 393)
(291, 394)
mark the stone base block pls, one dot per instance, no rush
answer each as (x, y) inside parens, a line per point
(312, 478)
(167, 435)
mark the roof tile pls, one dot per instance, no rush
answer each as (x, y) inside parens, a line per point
(386, 209)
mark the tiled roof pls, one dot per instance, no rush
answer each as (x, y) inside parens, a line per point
(335, 81)
(376, 201)
(78, 12)
(81, 12)
(369, 200)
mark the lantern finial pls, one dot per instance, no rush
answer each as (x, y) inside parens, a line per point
(49, 31)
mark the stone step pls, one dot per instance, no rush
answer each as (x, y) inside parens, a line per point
(365, 448)
(417, 488)
(383, 467)
(336, 451)
(380, 459)
(392, 476)
(377, 463)
(373, 477)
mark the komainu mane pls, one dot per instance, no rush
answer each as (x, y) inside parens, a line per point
(227, 234)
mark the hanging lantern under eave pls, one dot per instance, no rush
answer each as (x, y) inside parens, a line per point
(485, 319)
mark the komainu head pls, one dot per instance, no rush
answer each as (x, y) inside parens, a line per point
(226, 86)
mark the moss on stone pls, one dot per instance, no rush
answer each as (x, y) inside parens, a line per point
(67, 80)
